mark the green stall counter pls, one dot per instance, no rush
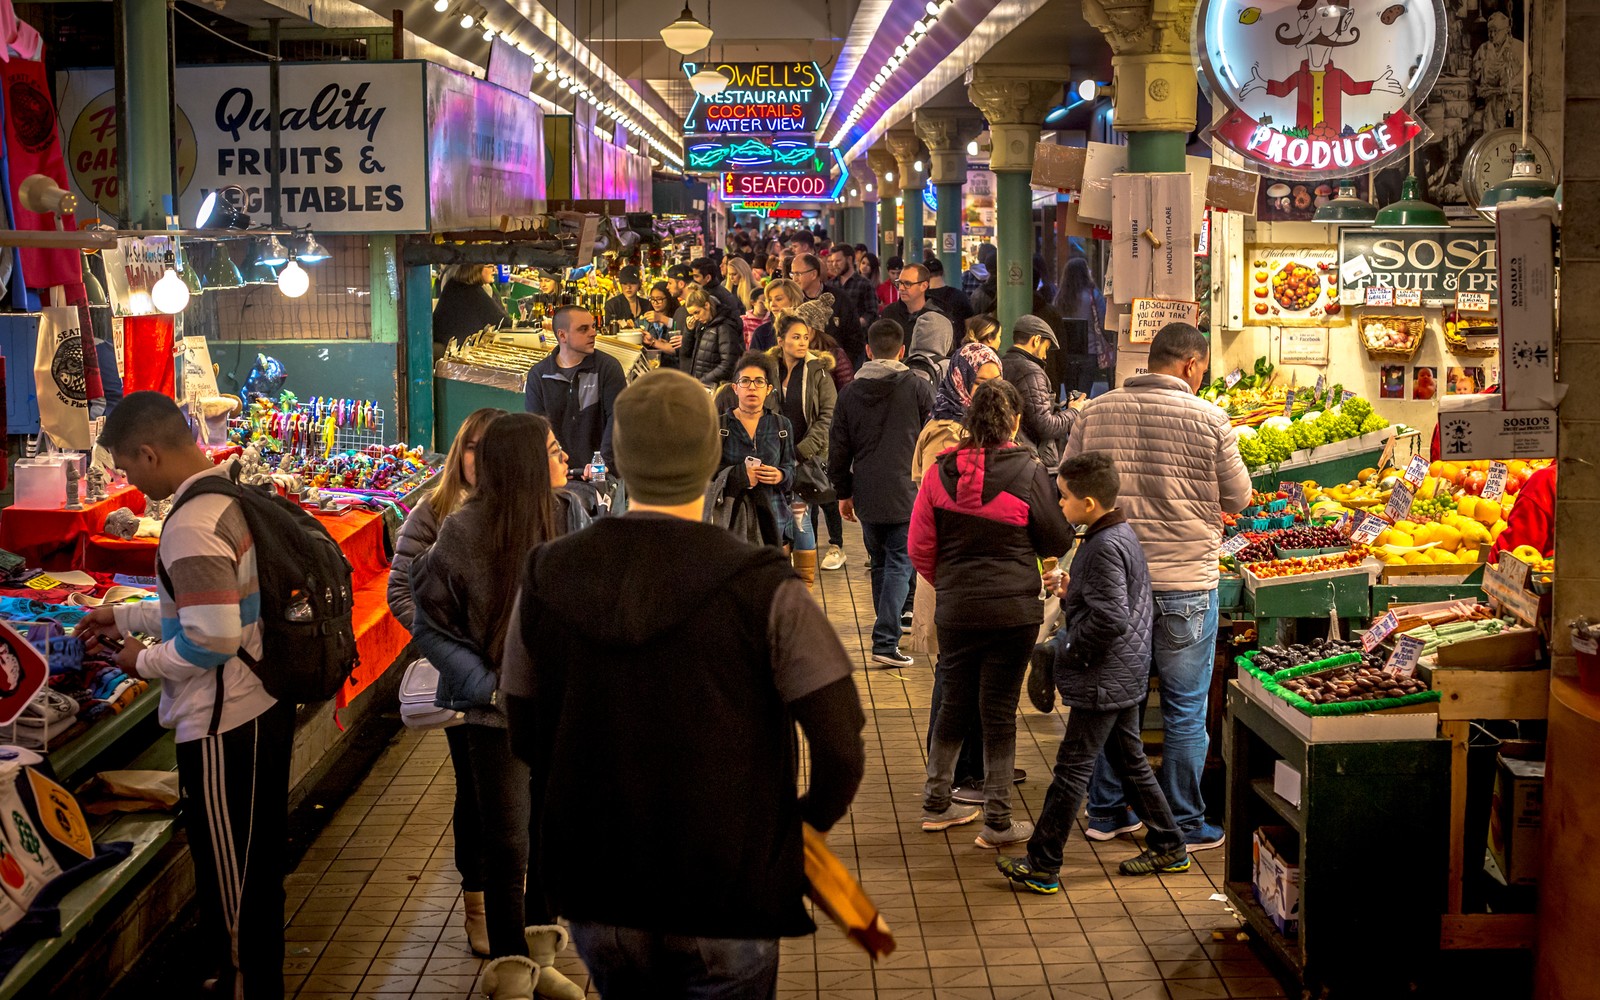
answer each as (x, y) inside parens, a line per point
(454, 401)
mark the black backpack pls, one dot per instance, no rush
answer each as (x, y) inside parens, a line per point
(308, 642)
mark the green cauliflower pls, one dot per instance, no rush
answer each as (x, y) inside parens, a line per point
(1276, 444)
(1307, 434)
(1373, 423)
(1357, 409)
(1252, 452)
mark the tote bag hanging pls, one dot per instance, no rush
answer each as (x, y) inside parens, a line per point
(59, 378)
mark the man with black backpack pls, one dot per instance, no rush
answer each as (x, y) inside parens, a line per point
(244, 576)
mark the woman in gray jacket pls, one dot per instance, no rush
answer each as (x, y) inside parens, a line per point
(417, 535)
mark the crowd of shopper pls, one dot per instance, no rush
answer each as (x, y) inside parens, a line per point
(796, 392)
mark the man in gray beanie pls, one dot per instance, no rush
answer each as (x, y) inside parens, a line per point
(652, 670)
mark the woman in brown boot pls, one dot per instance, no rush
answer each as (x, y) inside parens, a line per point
(806, 395)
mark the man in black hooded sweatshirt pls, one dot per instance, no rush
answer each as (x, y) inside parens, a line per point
(659, 734)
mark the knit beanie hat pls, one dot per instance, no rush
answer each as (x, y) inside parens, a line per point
(817, 312)
(665, 438)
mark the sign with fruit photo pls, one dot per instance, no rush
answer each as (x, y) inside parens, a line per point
(1292, 285)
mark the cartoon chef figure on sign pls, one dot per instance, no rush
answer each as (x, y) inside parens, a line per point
(1321, 27)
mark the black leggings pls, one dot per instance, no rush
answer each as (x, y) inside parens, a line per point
(830, 514)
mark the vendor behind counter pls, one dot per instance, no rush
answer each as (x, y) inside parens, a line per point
(465, 305)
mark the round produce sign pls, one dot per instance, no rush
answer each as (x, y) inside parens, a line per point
(1317, 89)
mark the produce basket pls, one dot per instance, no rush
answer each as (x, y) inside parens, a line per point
(1273, 685)
(1230, 592)
(1392, 336)
(1478, 338)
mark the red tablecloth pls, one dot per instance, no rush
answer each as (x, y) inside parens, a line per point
(56, 539)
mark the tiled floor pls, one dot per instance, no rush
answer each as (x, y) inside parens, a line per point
(376, 909)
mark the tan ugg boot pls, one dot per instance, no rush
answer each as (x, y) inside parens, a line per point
(477, 923)
(544, 941)
(805, 564)
(509, 978)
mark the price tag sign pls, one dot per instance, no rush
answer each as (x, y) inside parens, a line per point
(1514, 570)
(1443, 489)
(1399, 503)
(1380, 295)
(1472, 302)
(1388, 450)
(1380, 630)
(1343, 522)
(1322, 383)
(1494, 487)
(1234, 377)
(1346, 396)
(1416, 470)
(1238, 543)
(1403, 661)
(1288, 403)
(1411, 297)
(43, 582)
(1367, 529)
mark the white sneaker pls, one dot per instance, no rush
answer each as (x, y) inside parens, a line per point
(834, 558)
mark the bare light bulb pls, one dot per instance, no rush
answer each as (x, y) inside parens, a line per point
(467, 20)
(972, 148)
(170, 294)
(292, 280)
(917, 166)
(441, 5)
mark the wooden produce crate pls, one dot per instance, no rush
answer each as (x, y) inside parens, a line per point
(1313, 595)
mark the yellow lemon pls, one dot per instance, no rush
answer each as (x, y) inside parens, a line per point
(1416, 559)
(1467, 555)
(1486, 511)
(1401, 538)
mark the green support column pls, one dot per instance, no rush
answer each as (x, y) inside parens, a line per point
(144, 125)
(419, 356)
(869, 224)
(1013, 225)
(949, 222)
(1157, 152)
(916, 227)
(886, 233)
(883, 164)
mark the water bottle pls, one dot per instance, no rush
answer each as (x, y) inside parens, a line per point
(597, 469)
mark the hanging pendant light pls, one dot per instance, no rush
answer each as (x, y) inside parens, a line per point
(312, 252)
(191, 277)
(1411, 212)
(293, 279)
(686, 35)
(275, 255)
(221, 272)
(1524, 184)
(170, 295)
(256, 270)
(1346, 209)
(708, 83)
(93, 290)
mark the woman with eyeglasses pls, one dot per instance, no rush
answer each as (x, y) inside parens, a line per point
(716, 338)
(663, 324)
(758, 443)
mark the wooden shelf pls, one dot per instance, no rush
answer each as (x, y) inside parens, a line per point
(1243, 897)
(1282, 806)
(1487, 931)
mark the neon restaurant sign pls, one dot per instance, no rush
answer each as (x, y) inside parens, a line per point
(760, 99)
(1319, 88)
(766, 186)
(726, 152)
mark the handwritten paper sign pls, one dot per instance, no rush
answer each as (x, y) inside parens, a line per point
(1346, 396)
(1476, 302)
(1416, 470)
(1403, 661)
(1367, 529)
(1236, 544)
(1409, 297)
(1380, 630)
(1150, 315)
(1288, 403)
(1399, 503)
(1234, 377)
(1380, 295)
(1494, 486)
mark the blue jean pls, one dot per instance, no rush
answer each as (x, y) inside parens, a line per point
(1184, 651)
(803, 530)
(627, 963)
(891, 579)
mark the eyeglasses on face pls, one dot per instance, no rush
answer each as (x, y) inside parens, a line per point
(751, 383)
(910, 284)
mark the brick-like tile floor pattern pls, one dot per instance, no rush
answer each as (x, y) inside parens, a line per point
(375, 906)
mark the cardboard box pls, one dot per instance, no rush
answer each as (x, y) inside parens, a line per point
(1277, 877)
(1475, 427)
(1526, 241)
(1409, 722)
(1286, 782)
(1515, 820)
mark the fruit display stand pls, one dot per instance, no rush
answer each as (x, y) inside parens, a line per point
(1277, 602)
(1338, 462)
(1360, 797)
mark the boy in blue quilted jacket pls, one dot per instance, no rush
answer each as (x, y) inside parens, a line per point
(1102, 669)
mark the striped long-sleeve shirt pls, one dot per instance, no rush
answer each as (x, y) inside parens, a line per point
(212, 611)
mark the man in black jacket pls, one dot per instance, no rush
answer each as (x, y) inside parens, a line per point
(576, 387)
(953, 302)
(874, 437)
(1043, 425)
(842, 262)
(845, 327)
(617, 713)
(704, 270)
(913, 302)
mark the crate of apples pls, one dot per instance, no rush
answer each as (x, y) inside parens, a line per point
(1276, 569)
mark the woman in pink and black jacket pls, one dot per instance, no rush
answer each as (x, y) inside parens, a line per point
(985, 515)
